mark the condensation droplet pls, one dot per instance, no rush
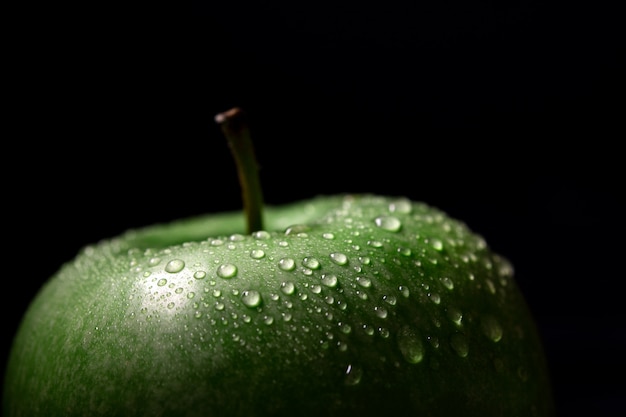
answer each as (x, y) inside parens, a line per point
(328, 236)
(390, 299)
(381, 312)
(161, 282)
(437, 244)
(251, 298)
(257, 254)
(455, 315)
(287, 287)
(170, 305)
(329, 280)
(400, 206)
(311, 263)
(447, 282)
(389, 223)
(154, 261)
(404, 291)
(375, 244)
(199, 275)
(459, 344)
(410, 344)
(287, 264)
(353, 375)
(491, 328)
(364, 282)
(174, 266)
(226, 271)
(339, 258)
(435, 298)
(261, 235)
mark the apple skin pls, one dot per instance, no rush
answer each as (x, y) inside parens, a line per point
(346, 305)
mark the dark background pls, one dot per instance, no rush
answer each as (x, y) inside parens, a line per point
(508, 115)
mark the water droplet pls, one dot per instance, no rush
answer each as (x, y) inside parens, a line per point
(219, 306)
(410, 345)
(199, 275)
(435, 298)
(328, 236)
(404, 251)
(179, 290)
(287, 287)
(389, 223)
(297, 229)
(437, 244)
(339, 258)
(329, 280)
(404, 291)
(226, 271)
(447, 282)
(161, 282)
(400, 206)
(316, 289)
(455, 315)
(459, 344)
(154, 261)
(191, 294)
(365, 260)
(257, 254)
(390, 299)
(353, 375)
(261, 235)
(268, 320)
(287, 264)
(364, 282)
(251, 298)
(174, 266)
(381, 312)
(375, 244)
(311, 263)
(170, 306)
(491, 328)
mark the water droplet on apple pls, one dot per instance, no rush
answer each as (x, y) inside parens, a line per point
(226, 271)
(400, 206)
(404, 251)
(179, 290)
(257, 254)
(339, 258)
(328, 236)
(381, 312)
(154, 261)
(455, 315)
(329, 280)
(447, 282)
(311, 263)
(261, 235)
(410, 345)
(316, 289)
(353, 375)
(364, 282)
(251, 298)
(297, 229)
(287, 287)
(434, 297)
(389, 223)
(404, 291)
(219, 306)
(459, 344)
(491, 328)
(161, 282)
(170, 306)
(287, 264)
(199, 275)
(375, 244)
(174, 266)
(437, 244)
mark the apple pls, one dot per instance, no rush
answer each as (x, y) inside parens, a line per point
(341, 305)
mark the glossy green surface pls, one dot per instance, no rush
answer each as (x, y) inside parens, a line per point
(366, 306)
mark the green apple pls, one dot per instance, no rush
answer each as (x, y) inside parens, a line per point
(342, 305)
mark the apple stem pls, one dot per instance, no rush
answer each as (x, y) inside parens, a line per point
(235, 128)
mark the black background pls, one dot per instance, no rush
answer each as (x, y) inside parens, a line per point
(508, 115)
